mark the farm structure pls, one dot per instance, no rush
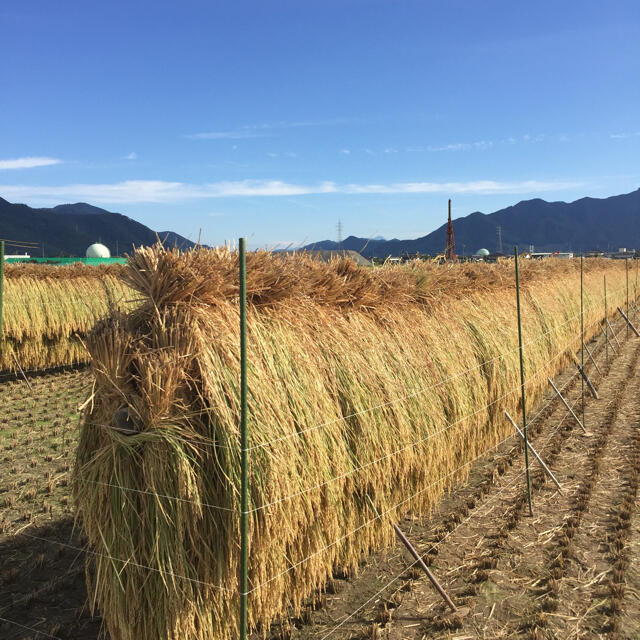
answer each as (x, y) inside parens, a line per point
(366, 387)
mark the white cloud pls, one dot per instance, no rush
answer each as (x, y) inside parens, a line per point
(463, 146)
(238, 134)
(159, 191)
(623, 136)
(28, 162)
(131, 156)
(346, 152)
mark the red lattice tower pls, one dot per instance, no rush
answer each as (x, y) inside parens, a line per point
(450, 252)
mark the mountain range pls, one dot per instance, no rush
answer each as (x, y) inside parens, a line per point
(68, 229)
(583, 225)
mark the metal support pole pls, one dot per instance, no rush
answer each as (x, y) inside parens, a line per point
(420, 561)
(566, 404)
(626, 266)
(535, 453)
(595, 364)
(585, 377)
(606, 337)
(244, 445)
(629, 323)
(524, 408)
(582, 333)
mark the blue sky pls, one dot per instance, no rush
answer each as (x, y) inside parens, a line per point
(275, 119)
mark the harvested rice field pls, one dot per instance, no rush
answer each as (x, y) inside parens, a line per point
(496, 562)
(324, 348)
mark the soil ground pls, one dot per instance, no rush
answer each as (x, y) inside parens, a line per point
(570, 571)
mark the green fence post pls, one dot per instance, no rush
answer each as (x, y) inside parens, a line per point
(606, 318)
(626, 264)
(524, 409)
(582, 336)
(244, 445)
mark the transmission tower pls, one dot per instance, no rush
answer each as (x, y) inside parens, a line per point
(499, 248)
(450, 252)
(339, 234)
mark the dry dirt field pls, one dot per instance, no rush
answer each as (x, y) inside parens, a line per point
(570, 571)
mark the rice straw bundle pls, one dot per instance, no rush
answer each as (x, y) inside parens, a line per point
(48, 310)
(362, 382)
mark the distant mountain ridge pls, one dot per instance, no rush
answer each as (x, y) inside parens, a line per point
(582, 225)
(68, 229)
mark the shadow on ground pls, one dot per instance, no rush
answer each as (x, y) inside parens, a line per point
(42, 585)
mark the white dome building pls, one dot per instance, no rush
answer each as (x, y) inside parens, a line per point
(98, 250)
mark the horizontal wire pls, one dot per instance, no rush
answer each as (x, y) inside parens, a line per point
(369, 409)
(540, 370)
(435, 545)
(376, 518)
(196, 581)
(160, 495)
(24, 626)
(355, 470)
(127, 562)
(415, 393)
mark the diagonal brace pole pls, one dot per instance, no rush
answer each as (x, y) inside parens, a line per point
(615, 337)
(595, 364)
(566, 404)
(420, 561)
(606, 337)
(584, 375)
(624, 315)
(535, 453)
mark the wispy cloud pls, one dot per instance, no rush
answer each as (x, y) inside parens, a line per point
(462, 146)
(28, 162)
(264, 130)
(159, 191)
(237, 134)
(624, 135)
(131, 156)
(345, 152)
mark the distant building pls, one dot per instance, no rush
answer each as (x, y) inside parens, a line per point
(538, 255)
(481, 254)
(98, 250)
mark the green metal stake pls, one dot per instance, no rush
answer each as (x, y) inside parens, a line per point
(606, 325)
(524, 409)
(626, 264)
(1, 286)
(244, 445)
(582, 335)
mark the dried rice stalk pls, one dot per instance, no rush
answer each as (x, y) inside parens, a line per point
(327, 342)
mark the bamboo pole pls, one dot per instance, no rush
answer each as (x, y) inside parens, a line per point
(244, 445)
(524, 409)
